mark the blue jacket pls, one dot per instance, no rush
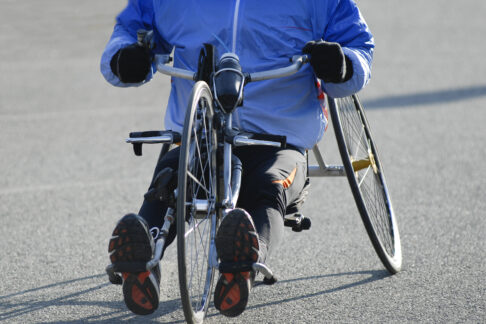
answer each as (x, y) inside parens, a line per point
(264, 34)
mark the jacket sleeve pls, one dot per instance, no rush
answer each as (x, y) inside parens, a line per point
(347, 27)
(137, 15)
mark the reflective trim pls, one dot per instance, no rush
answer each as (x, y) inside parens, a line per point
(288, 181)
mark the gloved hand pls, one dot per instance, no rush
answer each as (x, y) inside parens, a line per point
(131, 64)
(328, 61)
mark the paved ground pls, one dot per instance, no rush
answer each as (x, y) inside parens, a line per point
(67, 176)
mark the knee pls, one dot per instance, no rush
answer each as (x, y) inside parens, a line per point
(266, 195)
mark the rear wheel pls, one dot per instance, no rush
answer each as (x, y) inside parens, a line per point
(366, 178)
(197, 220)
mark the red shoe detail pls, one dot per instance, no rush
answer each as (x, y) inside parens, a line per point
(138, 296)
(232, 298)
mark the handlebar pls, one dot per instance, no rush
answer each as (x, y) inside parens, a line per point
(297, 62)
(145, 39)
(161, 61)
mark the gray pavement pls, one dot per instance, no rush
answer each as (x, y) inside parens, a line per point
(67, 176)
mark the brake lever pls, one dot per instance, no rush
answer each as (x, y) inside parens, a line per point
(145, 38)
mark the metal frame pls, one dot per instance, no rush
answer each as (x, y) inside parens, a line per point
(322, 169)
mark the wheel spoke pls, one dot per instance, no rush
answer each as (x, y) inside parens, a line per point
(363, 177)
(198, 182)
(198, 159)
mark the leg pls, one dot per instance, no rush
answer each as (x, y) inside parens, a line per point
(272, 180)
(132, 246)
(154, 211)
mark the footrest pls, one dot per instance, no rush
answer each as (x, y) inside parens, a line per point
(235, 267)
(112, 276)
(298, 222)
(152, 137)
(269, 278)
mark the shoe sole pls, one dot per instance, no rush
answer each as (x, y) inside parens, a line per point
(141, 292)
(130, 243)
(236, 241)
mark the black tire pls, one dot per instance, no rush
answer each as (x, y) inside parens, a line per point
(366, 178)
(197, 181)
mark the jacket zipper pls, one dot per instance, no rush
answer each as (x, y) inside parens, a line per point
(236, 114)
(235, 24)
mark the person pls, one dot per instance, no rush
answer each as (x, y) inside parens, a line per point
(264, 35)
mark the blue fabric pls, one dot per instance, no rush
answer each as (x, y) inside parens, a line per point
(264, 34)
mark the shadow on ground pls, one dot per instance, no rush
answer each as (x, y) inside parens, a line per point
(13, 306)
(371, 276)
(426, 98)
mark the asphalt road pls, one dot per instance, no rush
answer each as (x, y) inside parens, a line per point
(66, 176)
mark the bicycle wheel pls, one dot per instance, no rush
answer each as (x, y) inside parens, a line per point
(366, 178)
(197, 220)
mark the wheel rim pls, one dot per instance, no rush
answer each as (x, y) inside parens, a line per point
(369, 177)
(200, 217)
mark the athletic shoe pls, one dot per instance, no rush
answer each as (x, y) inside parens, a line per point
(130, 248)
(236, 245)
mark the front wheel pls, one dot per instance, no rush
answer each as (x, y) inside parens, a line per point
(366, 178)
(197, 220)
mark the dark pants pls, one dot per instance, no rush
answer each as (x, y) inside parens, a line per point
(272, 180)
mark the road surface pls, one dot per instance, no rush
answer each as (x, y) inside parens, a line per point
(67, 176)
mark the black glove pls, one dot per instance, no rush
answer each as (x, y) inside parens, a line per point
(131, 64)
(328, 61)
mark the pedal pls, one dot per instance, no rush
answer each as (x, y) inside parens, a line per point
(298, 222)
(234, 267)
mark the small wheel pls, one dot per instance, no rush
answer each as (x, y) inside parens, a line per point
(197, 220)
(366, 178)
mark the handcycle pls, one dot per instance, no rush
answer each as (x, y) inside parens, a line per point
(209, 175)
